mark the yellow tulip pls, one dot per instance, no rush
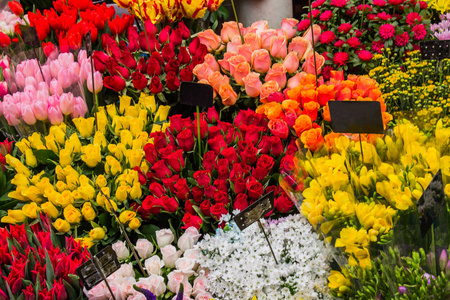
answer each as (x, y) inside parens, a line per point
(59, 134)
(14, 216)
(84, 126)
(126, 216)
(23, 145)
(112, 110)
(72, 214)
(134, 224)
(99, 139)
(50, 210)
(91, 155)
(97, 233)
(62, 225)
(88, 212)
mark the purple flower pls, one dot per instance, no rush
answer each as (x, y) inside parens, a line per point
(402, 290)
(427, 276)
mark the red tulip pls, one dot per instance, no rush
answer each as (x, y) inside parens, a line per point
(16, 8)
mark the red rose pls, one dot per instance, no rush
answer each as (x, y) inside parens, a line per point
(276, 147)
(249, 154)
(194, 45)
(221, 197)
(128, 60)
(272, 188)
(172, 81)
(217, 144)
(139, 80)
(142, 177)
(115, 83)
(287, 164)
(210, 191)
(170, 203)
(238, 171)
(151, 155)
(164, 34)
(186, 140)
(133, 39)
(115, 69)
(183, 56)
(240, 202)
(186, 74)
(182, 189)
(205, 207)
(203, 178)
(279, 128)
(153, 67)
(263, 167)
(212, 115)
(100, 59)
(196, 60)
(161, 170)
(217, 210)
(203, 128)
(188, 207)
(142, 66)
(166, 151)
(230, 155)
(185, 32)
(213, 131)
(223, 169)
(283, 204)
(170, 182)
(291, 150)
(176, 37)
(221, 185)
(190, 220)
(255, 190)
(157, 189)
(251, 133)
(175, 160)
(159, 139)
(172, 66)
(16, 8)
(155, 85)
(209, 160)
(152, 42)
(240, 186)
(197, 194)
(264, 145)
(152, 205)
(168, 52)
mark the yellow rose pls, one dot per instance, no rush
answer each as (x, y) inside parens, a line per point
(117, 150)
(136, 191)
(102, 120)
(59, 134)
(23, 145)
(136, 126)
(14, 216)
(111, 109)
(121, 193)
(143, 116)
(88, 212)
(124, 103)
(72, 214)
(61, 225)
(50, 210)
(112, 166)
(65, 157)
(87, 192)
(36, 141)
(148, 102)
(145, 166)
(30, 159)
(32, 193)
(108, 206)
(20, 168)
(61, 186)
(126, 216)
(99, 139)
(162, 113)
(87, 242)
(100, 198)
(97, 233)
(44, 184)
(12, 161)
(20, 180)
(156, 128)
(51, 144)
(100, 181)
(126, 138)
(31, 210)
(135, 157)
(72, 180)
(84, 126)
(143, 137)
(91, 155)
(132, 111)
(52, 195)
(134, 224)
(73, 143)
(65, 199)
(84, 180)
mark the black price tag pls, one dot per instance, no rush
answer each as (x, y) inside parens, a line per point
(255, 211)
(90, 275)
(435, 49)
(356, 116)
(196, 94)
(88, 43)
(29, 36)
(431, 203)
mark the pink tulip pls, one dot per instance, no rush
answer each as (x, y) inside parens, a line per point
(25, 98)
(20, 79)
(47, 73)
(3, 88)
(66, 59)
(64, 78)
(30, 89)
(10, 111)
(28, 114)
(80, 108)
(42, 96)
(66, 103)
(98, 82)
(7, 74)
(43, 86)
(40, 108)
(31, 81)
(55, 88)
(4, 62)
(54, 115)
(74, 69)
(82, 55)
(55, 67)
(53, 100)
(13, 87)
(30, 67)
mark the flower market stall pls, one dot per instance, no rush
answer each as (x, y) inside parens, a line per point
(173, 152)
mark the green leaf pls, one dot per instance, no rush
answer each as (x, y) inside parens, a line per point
(71, 294)
(74, 281)
(149, 231)
(46, 156)
(49, 272)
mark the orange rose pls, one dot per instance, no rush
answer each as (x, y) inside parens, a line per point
(295, 93)
(266, 38)
(227, 94)
(317, 31)
(234, 62)
(330, 139)
(352, 77)
(202, 71)
(253, 40)
(260, 26)
(337, 75)
(278, 47)
(212, 62)
(291, 104)
(374, 94)
(383, 105)
(209, 39)
(204, 81)
(311, 108)
(309, 79)
(308, 95)
(302, 124)
(325, 93)
(326, 113)
(229, 30)
(301, 46)
(246, 51)
(261, 61)
(268, 88)
(216, 80)
(264, 108)
(365, 83)
(289, 26)
(224, 63)
(309, 66)
(291, 62)
(232, 46)
(312, 139)
(252, 84)
(274, 112)
(295, 80)
(277, 73)
(345, 94)
(348, 84)
(387, 117)
(241, 71)
(358, 93)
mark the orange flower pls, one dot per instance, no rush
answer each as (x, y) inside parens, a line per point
(294, 94)
(264, 108)
(227, 94)
(374, 93)
(348, 84)
(268, 88)
(346, 94)
(309, 79)
(330, 139)
(383, 105)
(352, 77)
(312, 139)
(326, 113)
(358, 93)
(216, 80)
(311, 108)
(275, 112)
(302, 124)
(291, 104)
(325, 94)
(365, 83)
(387, 117)
(337, 75)
(309, 95)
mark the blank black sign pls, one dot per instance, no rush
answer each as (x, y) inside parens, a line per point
(356, 116)
(29, 35)
(196, 94)
(255, 211)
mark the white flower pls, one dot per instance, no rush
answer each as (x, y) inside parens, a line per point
(164, 237)
(170, 255)
(203, 296)
(154, 265)
(127, 270)
(185, 264)
(192, 231)
(121, 250)
(154, 284)
(185, 242)
(98, 292)
(144, 248)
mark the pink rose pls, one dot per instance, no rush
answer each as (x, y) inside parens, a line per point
(224, 63)
(278, 47)
(260, 26)
(232, 46)
(153, 265)
(291, 62)
(290, 27)
(301, 46)
(203, 296)
(229, 30)
(98, 292)
(294, 81)
(277, 73)
(154, 284)
(234, 62)
(170, 255)
(266, 38)
(164, 237)
(253, 40)
(309, 66)
(261, 61)
(252, 84)
(192, 231)
(246, 51)
(212, 62)
(202, 71)
(174, 279)
(209, 39)
(185, 265)
(185, 242)
(199, 285)
(241, 71)
(317, 31)
(268, 88)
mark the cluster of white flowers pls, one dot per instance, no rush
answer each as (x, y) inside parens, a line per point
(241, 264)
(167, 268)
(8, 20)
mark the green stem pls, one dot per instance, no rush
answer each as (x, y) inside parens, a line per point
(237, 22)
(362, 16)
(94, 95)
(199, 134)
(313, 42)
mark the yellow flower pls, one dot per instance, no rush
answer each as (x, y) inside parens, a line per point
(135, 157)
(72, 180)
(91, 155)
(136, 126)
(134, 224)
(61, 186)
(97, 233)
(126, 138)
(50, 210)
(23, 145)
(20, 180)
(87, 242)
(112, 166)
(72, 214)
(32, 193)
(102, 120)
(162, 113)
(361, 257)
(59, 134)
(36, 141)
(121, 193)
(118, 150)
(445, 165)
(65, 199)
(343, 204)
(136, 192)
(20, 168)
(351, 238)
(52, 196)
(31, 210)
(337, 281)
(73, 144)
(65, 157)
(87, 192)
(132, 111)
(84, 126)
(108, 205)
(148, 102)
(127, 216)
(124, 103)
(111, 109)
(101, 200)
(99, 139)
(88, 212)
(401, 199)
(14, 216)
(100, 181)
(51, 143)
(61, 225)
(194, 9)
